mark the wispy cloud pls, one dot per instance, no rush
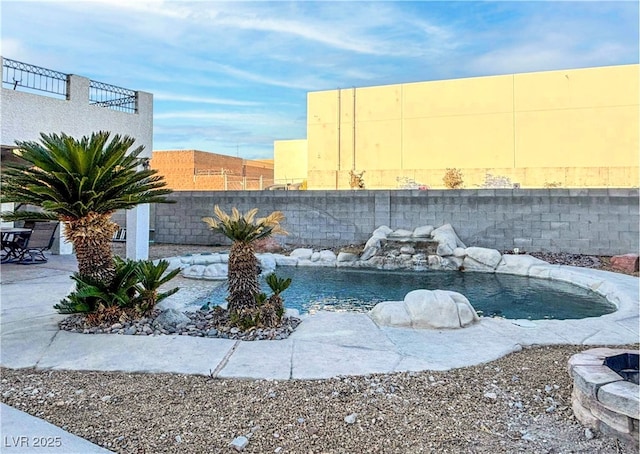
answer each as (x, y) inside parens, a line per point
(572, 37)
(236, 74)
(160, 96)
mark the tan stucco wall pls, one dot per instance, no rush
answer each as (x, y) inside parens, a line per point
(290, 161)
(572, 128)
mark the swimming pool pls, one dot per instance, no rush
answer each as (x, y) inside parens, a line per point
(509, 296)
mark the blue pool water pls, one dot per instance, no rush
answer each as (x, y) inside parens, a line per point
(513, 297)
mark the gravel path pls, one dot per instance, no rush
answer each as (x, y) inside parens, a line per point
(519, 403)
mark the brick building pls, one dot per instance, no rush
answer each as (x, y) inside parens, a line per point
(194, 170)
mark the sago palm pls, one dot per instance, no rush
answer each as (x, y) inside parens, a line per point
(273, 308)
(81, 182)
(243, 230)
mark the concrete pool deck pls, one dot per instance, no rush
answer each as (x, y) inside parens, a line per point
(324, 345)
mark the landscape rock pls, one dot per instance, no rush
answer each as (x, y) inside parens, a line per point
(447, 240)
(400, 233)
(374, 241)
(170, 318)
(435, 309)
(205, 259)
(351, 419)
(267, 263)
(451, 263)
(407, 250)
(239, 443)
(435, 262)
(369, 253)
(470, 264)
(216, 271)
(285, 260)
(391, 313)
(317, 263)
(374, 262)
(194, 272)
(517, 264)
(423, 231)
(489, 257)
(302, 253)
(459, 252)
(327, 256)
(346, 257)
(626, 262)
(174, 263)
(382, 232)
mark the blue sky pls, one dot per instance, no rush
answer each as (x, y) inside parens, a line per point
(232, 77)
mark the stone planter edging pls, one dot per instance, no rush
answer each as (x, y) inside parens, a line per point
(601, 399)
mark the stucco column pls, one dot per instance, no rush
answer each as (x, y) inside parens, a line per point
(60, 244)
(138, 232)
(78, 90)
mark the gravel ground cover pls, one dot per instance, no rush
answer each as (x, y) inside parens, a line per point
(519, 403)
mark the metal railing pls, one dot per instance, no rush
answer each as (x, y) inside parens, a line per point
(31, 77)
(26, 77)
(112, 97)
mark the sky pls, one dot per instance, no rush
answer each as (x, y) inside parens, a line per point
(232, 77)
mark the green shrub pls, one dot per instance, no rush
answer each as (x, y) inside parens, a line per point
(134, 287)
(92, 294)
(150, 277)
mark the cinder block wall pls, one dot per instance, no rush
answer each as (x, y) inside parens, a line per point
(587, 221)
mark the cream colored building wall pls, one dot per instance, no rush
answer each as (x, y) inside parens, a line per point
(290, 161)
(573, 128)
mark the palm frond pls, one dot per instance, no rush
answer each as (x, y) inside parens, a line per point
(73, 177)
(235, 214)
(250, 215)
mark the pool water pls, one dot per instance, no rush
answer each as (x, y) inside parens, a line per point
(512, 297)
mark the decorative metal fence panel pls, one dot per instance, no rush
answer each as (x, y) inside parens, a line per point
(21, 76)
(113, 97)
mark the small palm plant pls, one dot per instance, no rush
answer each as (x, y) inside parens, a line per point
(272, 309)
(133, 291)
(243, 230)
(81, 182)
(103, 302)
(150, 277)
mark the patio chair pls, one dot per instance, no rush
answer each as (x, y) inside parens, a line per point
(40, 240)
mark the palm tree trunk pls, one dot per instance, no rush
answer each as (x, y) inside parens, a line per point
(91, 238)
(243, 280)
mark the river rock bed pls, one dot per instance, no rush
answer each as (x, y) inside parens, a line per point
(212, 323)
